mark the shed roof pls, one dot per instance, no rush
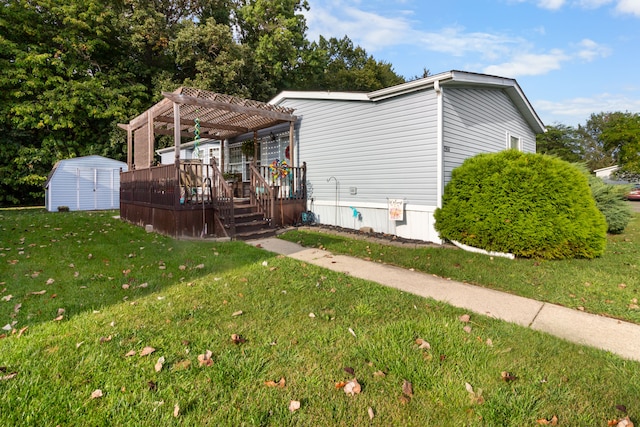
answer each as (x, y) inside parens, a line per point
(221, 116)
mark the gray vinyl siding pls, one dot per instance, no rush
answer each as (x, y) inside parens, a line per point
(477, 121)
(385, 149)
(85, 183)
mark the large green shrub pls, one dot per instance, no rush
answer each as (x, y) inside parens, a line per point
(530, 205)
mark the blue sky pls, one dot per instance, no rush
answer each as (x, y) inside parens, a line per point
(572, 58)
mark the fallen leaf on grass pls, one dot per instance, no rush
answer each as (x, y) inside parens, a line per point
(294, 405)
(130, 353)
(176, 410)
(237, 339)
(147, 351)
(96, 394)
(279, 384)
(152, 386)
(205, 359)
(465, 318)
(379, 374)
(7, 297)
(352, 387)
(352, 333)
(50, 281)
(621, 408)
(407, 388)
(22, 331)
(8, 376)
(467, 329)
(159, 364)
(236, 313)
(507, 377)
(105, 339)
(59, 318)
(552, 422)
(370, 412)
(61, 311)
(38, 293)
(422, 344)
(625, 422)
(17, 307)
(125, 286)
(349, 370)
(476, 396)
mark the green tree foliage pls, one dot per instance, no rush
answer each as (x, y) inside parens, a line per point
(64, 81)
(561, 141)
(621, 136)
(531, 205)
(596, 153)
(336, 64)
(71, 69)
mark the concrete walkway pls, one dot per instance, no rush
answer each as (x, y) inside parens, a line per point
(618, 337)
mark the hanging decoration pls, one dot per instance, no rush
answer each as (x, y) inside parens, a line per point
(279, 169)
(196, 137)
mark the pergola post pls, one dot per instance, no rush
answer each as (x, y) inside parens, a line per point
(291, 129)
(129, 148)
(150, 137)
(176, 132)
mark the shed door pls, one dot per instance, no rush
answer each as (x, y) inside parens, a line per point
(86, 188)
(96, 188)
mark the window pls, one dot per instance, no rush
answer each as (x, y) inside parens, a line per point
(514, 142)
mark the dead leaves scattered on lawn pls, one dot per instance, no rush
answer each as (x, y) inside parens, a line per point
(279, 384)
(205, 359)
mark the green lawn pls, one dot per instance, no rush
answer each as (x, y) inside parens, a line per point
(609, 285)
(122, 290)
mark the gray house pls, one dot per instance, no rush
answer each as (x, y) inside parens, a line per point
(382, 159)
(84, 183)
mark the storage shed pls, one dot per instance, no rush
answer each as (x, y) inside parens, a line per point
(84, 183)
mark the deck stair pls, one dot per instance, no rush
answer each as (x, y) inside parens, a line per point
(249, 221)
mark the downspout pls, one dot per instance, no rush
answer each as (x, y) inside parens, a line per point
(439, 144)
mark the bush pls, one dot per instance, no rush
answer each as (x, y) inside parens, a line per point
(611, 200)
(530, 205)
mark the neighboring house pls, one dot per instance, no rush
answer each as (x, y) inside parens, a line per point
(84, 183)
(205, 150)
(382, 159)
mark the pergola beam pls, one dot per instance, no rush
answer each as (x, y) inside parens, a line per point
(220, 105)
(211, 125)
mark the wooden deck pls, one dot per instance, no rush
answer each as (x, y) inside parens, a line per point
(192, 199)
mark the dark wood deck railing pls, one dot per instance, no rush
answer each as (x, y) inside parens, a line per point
(157, 186)
(261, 194)
(192, 185)
(293, 186)
(223, 200)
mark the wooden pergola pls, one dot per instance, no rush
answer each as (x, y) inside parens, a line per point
(219, 117)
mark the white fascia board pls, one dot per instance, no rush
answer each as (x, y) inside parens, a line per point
(411, 86)
(319, 95)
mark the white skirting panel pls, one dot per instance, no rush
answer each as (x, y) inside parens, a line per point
(417, 222)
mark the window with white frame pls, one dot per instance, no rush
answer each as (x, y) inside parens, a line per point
(514, 142)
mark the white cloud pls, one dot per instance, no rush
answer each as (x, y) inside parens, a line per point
(528, 64)
(577, 111)
(592, 4)
(590, 50)
(551, 4)
(629, 6)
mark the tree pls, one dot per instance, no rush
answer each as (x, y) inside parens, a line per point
(621, 136)
(64, 80)
(561, 141)
(338, 65)
(596, 154)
